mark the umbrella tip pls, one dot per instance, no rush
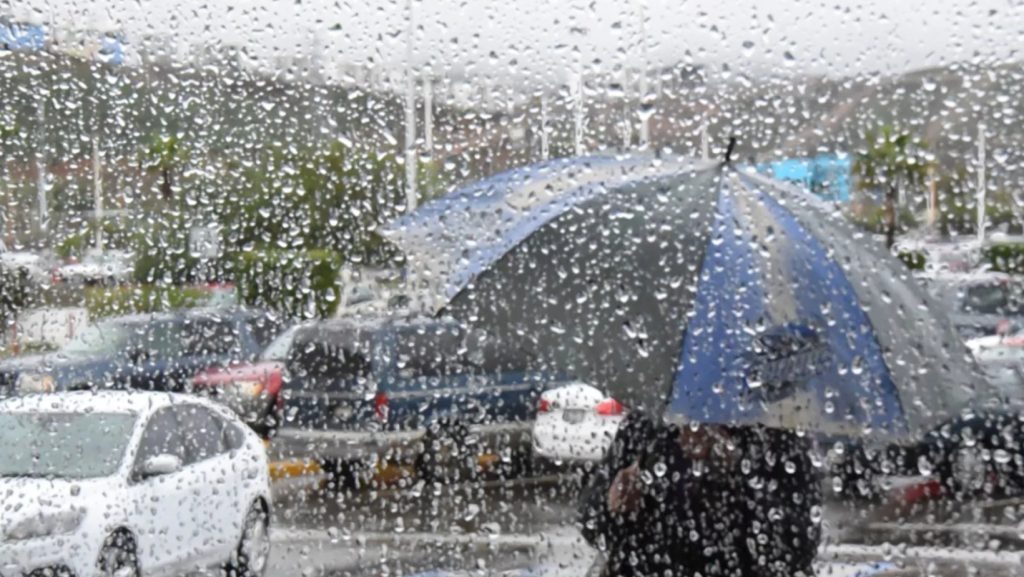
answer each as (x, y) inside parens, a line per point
(729, 149)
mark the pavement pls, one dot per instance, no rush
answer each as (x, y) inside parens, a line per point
(525, 528)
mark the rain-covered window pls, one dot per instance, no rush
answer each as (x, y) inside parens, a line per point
(436, 289)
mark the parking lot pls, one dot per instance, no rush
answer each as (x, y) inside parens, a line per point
(599, 288)
(528, 527)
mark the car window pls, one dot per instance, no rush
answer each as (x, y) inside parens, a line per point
(998, 298)
(431, 351)
(323, 363)
(278, 349)
(234, 437)
(201, 337)
(163, 435)
(63, 445)
(205, 433)
(263, 329)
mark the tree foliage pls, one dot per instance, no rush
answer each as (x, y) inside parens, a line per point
(334, 198)
(165, 154)
(894, 164)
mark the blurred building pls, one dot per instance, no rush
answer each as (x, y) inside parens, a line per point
(826, 175)
(106, 45)
(22, 37)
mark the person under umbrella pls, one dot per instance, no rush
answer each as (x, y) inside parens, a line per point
(707, 500)
(745, 318)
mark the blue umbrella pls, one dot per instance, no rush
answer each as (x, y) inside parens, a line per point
(714, 294)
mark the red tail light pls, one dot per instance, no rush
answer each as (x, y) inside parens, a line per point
(543, 406)
(380, 407)
(609, 408)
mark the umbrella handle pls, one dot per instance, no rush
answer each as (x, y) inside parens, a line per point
(729, 149)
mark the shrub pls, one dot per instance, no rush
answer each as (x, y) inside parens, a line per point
(113, 301)
(296, 284)
(15, 294)
(915, 260)
(1005, 257)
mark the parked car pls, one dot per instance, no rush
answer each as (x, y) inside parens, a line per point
(130, 483)
(422, 391)
(252, 389)
(34, 267)
(978, 303)
(109, 267)
(161, 351)
(575, 422)
(1001, 357)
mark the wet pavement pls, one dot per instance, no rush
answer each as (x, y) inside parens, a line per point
(525, 527)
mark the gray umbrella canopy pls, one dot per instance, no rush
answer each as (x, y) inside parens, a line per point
(662, 281)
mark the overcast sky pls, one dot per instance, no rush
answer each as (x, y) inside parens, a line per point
(514, 38)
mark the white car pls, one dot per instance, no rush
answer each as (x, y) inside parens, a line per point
(575, 422)
(110, 267)
(129, 484)
(1001, 357)
(36, 266)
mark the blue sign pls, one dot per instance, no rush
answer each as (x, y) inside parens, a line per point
(111, 49)
(22, 37)
(826, 175)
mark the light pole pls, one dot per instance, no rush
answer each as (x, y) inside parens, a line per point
(97, 191)
(544, 152)
(411, 199)
(41, 165)
(643, 112)
(577, 95)
(981, 183)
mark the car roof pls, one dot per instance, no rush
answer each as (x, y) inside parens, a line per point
(138, 402)
(967, 278)
(350, 329)
(233, 313)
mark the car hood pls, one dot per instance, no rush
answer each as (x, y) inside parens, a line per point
(26, 497)
(23, 363)
(69, 371)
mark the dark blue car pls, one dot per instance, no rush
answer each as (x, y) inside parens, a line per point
(160, 352)
(421, 391)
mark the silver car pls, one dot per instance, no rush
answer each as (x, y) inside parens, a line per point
(979, 303)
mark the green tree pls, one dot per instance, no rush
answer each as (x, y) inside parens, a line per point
(958, 206)
(892, 163)
(165, 154)
(332, 198)
(9, 134)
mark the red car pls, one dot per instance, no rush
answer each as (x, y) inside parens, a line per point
(251, 389)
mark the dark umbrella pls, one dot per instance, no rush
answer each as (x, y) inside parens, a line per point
(727, 297)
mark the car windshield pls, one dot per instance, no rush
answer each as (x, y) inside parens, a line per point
(103, 338)
(998, 298)
(278, 349)
(63, 445)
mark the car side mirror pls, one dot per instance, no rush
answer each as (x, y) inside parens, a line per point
(162, 464)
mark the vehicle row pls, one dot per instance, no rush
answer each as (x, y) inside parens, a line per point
(347, 393)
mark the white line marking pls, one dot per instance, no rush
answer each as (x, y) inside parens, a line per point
(952, 528)
(844, 551)
(841, 554)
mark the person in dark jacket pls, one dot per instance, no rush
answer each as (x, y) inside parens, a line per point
(618, 535)
(706, 500)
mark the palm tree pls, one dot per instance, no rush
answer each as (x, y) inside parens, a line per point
(892, 162)
(164, 155)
